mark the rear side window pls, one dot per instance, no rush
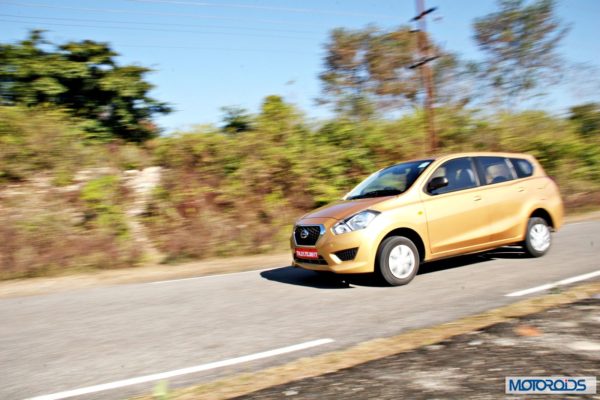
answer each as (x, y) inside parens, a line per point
(494, 170)
(523, 168)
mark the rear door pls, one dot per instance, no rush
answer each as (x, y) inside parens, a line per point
(506, 196)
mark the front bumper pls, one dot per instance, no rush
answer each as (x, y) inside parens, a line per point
(329, 244)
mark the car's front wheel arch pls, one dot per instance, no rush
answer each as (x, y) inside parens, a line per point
(409, 234)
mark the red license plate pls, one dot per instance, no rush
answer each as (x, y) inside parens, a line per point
(310, 254)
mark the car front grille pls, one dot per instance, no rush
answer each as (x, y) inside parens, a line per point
(313, 231)
(319, 261)
(347, 255)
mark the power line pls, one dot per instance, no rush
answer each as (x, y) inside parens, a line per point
(265, 8)
(179, 47)
(154, 23)
(128, 28)
(286, 51)
(158, 14)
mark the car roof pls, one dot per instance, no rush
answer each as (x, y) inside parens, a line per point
(448, 156)
(482, 154)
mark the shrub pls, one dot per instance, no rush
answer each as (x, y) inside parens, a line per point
(33, 141)
(45, 234)
(225, 194)
(102, 200)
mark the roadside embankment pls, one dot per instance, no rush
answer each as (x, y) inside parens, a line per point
(159, 272)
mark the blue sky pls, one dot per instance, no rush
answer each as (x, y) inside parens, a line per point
(210, 54)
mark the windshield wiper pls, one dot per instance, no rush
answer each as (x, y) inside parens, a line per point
(376, 193)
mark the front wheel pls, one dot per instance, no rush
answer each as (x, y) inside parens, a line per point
(538, 238)
(398, 260)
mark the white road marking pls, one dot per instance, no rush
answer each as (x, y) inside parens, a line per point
(212, 276)
(183, 371)
(547, 286)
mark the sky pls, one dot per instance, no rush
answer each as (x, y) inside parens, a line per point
(207, 54)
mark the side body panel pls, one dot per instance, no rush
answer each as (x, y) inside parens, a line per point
(507, 204)
(456, 221)
(543, 194)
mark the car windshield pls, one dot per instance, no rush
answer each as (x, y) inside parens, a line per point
(389, 181)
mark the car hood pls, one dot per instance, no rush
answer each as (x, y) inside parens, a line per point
(344, 208)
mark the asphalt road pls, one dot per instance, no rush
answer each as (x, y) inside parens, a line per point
(59, 342)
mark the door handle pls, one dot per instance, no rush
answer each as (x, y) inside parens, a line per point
(477, 198)
(521, 189)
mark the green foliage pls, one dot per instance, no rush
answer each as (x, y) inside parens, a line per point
(45, 234)
(33, 141)
(84, 79)
(367, 71)
(102, 200)
(224, 194)
(520, 42)
(161, 390)
(236, 120)
(368, 67)
(587, 119)
(46, 142)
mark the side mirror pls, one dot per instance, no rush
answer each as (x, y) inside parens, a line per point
(437, 183)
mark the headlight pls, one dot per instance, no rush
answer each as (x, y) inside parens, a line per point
(355, 222)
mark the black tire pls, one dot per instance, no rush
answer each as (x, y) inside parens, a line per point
(383, 260)
(532, 245)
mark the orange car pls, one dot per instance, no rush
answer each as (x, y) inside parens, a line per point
(425, 210)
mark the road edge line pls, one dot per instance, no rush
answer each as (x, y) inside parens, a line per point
(553, 285)
(308, 367)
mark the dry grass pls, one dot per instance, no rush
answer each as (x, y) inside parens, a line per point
(49, 233)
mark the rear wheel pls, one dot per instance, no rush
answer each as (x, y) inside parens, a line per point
(538, 238)
(398, 260)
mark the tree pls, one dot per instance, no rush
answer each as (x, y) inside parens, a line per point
(367, 70)
(345, 77)
(277, 118)
(236, 120)
(455, 81)
(520, 43)
(83, 78)
(587, 119)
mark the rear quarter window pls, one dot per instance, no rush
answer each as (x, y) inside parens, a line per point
(494, 170)
(523, 168)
